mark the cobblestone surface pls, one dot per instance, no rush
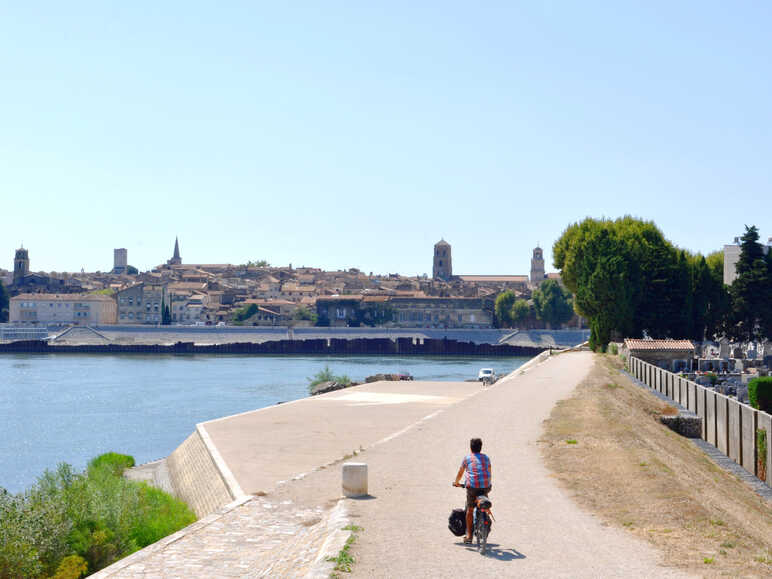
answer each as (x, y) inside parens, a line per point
(256, 538)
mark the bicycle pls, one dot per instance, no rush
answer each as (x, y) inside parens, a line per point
(482, 521)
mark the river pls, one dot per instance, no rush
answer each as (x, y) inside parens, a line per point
(71, 407)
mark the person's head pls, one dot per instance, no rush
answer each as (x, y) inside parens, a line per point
(475, 444)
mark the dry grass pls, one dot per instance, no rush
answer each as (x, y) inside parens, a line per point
(636, 474)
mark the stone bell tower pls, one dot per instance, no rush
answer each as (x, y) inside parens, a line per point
(20, 265)
(443, 262)
(537, 267)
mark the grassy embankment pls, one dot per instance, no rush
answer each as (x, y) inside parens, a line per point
(606, 445)
(73, 524)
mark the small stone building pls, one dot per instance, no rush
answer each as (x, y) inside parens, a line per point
(673, 355)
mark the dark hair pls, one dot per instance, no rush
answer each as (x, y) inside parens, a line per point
(475, 444)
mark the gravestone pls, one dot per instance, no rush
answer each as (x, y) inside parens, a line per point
(723, 348)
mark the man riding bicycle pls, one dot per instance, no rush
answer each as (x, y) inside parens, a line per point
(478, 480)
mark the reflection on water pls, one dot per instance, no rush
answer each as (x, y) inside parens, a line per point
(68, 407)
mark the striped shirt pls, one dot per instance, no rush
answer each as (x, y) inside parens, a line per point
(478, 470)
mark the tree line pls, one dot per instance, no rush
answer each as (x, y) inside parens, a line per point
(549, 303)
(628, 280)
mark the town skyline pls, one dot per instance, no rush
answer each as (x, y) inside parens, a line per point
(351, 136)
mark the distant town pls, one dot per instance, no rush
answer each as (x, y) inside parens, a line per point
(257, 294)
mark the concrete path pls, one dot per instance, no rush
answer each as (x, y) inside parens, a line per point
(538, 532)
(414, 436)
(278, 443)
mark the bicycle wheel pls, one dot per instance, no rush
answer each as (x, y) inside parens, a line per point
(482, 543)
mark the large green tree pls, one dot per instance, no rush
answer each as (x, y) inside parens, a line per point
(751, 292)
(521, 310)
(503, 308)
(627, 279)
(553, 304)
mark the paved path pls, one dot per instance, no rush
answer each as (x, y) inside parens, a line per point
(413, 448)
(538, 532)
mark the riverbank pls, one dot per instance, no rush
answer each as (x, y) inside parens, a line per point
(313, 347)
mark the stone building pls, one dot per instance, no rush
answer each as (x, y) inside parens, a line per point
(176, 259)
(20, 265)
(120, 260)
(537, 267)
(141, 303)
(443, 262)
(54, 309)
(673, 355)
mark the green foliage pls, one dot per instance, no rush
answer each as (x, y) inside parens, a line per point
(503, 308)
(4, 301)
(613, 349)
(256, 263)
(131, 270)
(761, 453)
(71, 567)
(69, 522)
(245, 313)
(166, 315)
(751, 309)
(114, 462)
(326, 375)
(103, 292)
(627, 279)
(760, 393)
(552, 303)
(303, 313)
(521, 310)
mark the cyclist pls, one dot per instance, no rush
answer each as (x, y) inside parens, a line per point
(478, 480)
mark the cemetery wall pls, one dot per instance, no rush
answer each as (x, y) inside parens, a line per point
(727, 424)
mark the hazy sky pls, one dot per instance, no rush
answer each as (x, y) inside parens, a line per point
(357, 134)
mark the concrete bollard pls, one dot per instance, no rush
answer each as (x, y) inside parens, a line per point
(354, 479)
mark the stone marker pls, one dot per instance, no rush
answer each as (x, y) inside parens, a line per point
(354, 479)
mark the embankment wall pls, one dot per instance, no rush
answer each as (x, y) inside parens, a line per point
(727, 424)
(332, 346)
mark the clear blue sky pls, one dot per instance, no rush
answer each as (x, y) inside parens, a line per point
(356, 134)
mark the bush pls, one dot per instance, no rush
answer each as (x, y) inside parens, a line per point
(760, 393)
(326, 375)
(114, 462)
(68, 521)
(613, 349)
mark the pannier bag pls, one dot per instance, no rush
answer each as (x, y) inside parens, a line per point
(457, 522)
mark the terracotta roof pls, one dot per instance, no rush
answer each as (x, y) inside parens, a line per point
(665, 345)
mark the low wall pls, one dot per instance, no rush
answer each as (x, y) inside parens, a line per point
(333, 346)
(727, 424)
(196, 477)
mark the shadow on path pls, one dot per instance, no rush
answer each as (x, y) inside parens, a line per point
(495, 552)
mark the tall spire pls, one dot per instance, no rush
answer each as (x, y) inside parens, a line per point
(176, 259)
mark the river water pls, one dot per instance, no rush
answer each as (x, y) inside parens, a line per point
(71, 407)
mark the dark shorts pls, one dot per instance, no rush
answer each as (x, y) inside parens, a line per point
(473, 493)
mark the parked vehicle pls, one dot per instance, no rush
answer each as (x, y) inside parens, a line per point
(486, 374)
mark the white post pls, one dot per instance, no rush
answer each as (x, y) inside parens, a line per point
(354, 479)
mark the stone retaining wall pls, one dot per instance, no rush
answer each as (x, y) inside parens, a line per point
(196, 478)
(727, 424)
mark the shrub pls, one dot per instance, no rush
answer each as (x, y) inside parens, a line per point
(761, 446)
(326, 375)
(712, 377)
(69, 522)
(613, 349)
(114, 462)
(760, 393)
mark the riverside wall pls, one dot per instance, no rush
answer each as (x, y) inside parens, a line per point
(727, 424)
(196, 477)
(330, 346)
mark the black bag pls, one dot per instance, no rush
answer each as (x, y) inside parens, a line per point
(457, 522)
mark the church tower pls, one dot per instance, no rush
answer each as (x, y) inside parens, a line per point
(176, 259)
(20, 265)
(537, 267)
(443, 263)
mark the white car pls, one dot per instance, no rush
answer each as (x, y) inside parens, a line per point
(486, 373)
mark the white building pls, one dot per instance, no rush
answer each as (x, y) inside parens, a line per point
(80, 309)
(732, 256)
